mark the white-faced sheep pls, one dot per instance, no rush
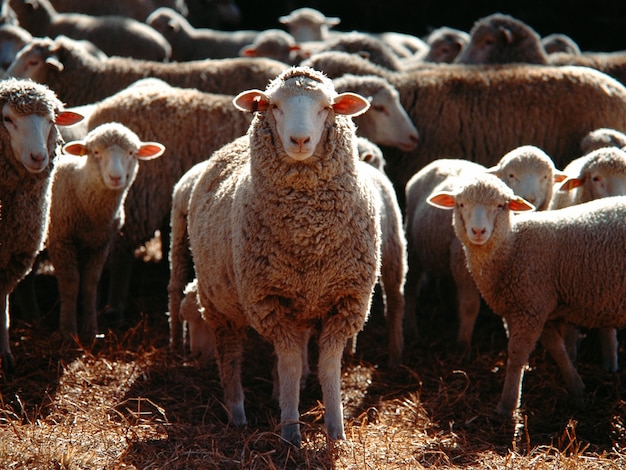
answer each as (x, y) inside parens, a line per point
(386, 122)
(308, 24)
(540, 269)
(198, 123)
(445, 44)
(62, 63)
(30, 143)
(502, 39)
(113, 35)
(558, 42)
(297, 245)
(338, 63)
(603, 137)
(480, 112)
(189, 43)
(598, 174)
(275, 44)
(89, 186)
(434, 250)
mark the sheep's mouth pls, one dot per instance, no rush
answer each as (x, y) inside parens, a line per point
(36, 167)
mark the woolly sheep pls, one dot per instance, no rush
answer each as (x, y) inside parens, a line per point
(611, 63)
(598, 174)
(540, 269)
(386, 122)
(501, 39)
(308, 24)
(12, 39)
(275, 44)
(29, 142)
(61, 64)
(602, 137)
(137, 9)
(89, 185)
(435, 251)
(370, 153)
(557, 42)
(189, 43)
(445, 44)
(338, 63)
(458, 113)
(114, 35)
(306, 253)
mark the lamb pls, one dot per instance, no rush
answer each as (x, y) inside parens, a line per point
(189, 43)
(435, 251)
(114, 35)
(598, 174)
(338, 63)
(386, 122)
(458, 112)
(370, 153)
(275, 44)
(308, 24)
(89, 185)
(302, 228)
(540, 269)
(62, 63)
(558, 42)
(30, 143)
(367, 45)
(602, 137)
(502, 39)
(445, 44)
(199, 123)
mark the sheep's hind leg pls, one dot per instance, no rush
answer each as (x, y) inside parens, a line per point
(8, 364)
(229, 349)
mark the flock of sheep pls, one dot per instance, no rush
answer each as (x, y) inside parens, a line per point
(286, 175)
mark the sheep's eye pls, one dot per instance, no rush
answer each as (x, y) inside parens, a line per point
(511, 175)
(500, 206)
(378, 107)
(7, 119)
(597, 178)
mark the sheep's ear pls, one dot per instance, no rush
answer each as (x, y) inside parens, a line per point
(76, 147)
(442, 200)
(150, 150)
(294, 48)
(332, 21)
(67, 118)
(251, 101)
(559, 176)
(248, 51)
(54, 63)
(350, 104)
(519, 204)
(570, 183)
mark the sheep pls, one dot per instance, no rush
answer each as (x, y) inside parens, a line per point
(275, 44)
(198, 123)
(114, 35)
(285, 237)
(338, 63)
(434, 250)
(12, 39)
(386, 122)
(308, 24)
(501, 39)
(201, 337)
(480, 112)
(445, 44)
(137, 9)
(89, 184)
(30, 143)
(61, 64)
(558, 42)
(598, 174)
(189, 43)
(602, 137)
(370, 153)
(611, 63)
(540, 269)
(367, 45)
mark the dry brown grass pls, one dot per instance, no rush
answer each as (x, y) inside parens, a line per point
(125, 402)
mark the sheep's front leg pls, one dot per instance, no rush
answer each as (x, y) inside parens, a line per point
(64, 259)
(229, 355)
(8, 363)
(90, 278)
(522, 341)
(290, 356)
(338, 327)
(609, 346)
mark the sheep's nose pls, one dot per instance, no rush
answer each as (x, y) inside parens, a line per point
(115, 179)
(300, 141)
(476, 231)
(38, 157)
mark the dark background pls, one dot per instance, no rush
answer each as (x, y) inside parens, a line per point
(594, 25)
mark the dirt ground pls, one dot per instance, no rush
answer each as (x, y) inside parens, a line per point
(126, 402)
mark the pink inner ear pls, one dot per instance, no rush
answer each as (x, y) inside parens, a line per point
(67, 118)
(149, 151)
(75, 148)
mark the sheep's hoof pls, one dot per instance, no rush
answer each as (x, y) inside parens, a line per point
(291, 434)
(8, 363)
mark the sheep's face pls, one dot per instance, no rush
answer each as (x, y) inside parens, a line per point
(29, 135)
(602, 175)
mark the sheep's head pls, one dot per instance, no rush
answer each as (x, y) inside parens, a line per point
(477, 204)
(115, 150)
(29, 114)
(300, 100)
